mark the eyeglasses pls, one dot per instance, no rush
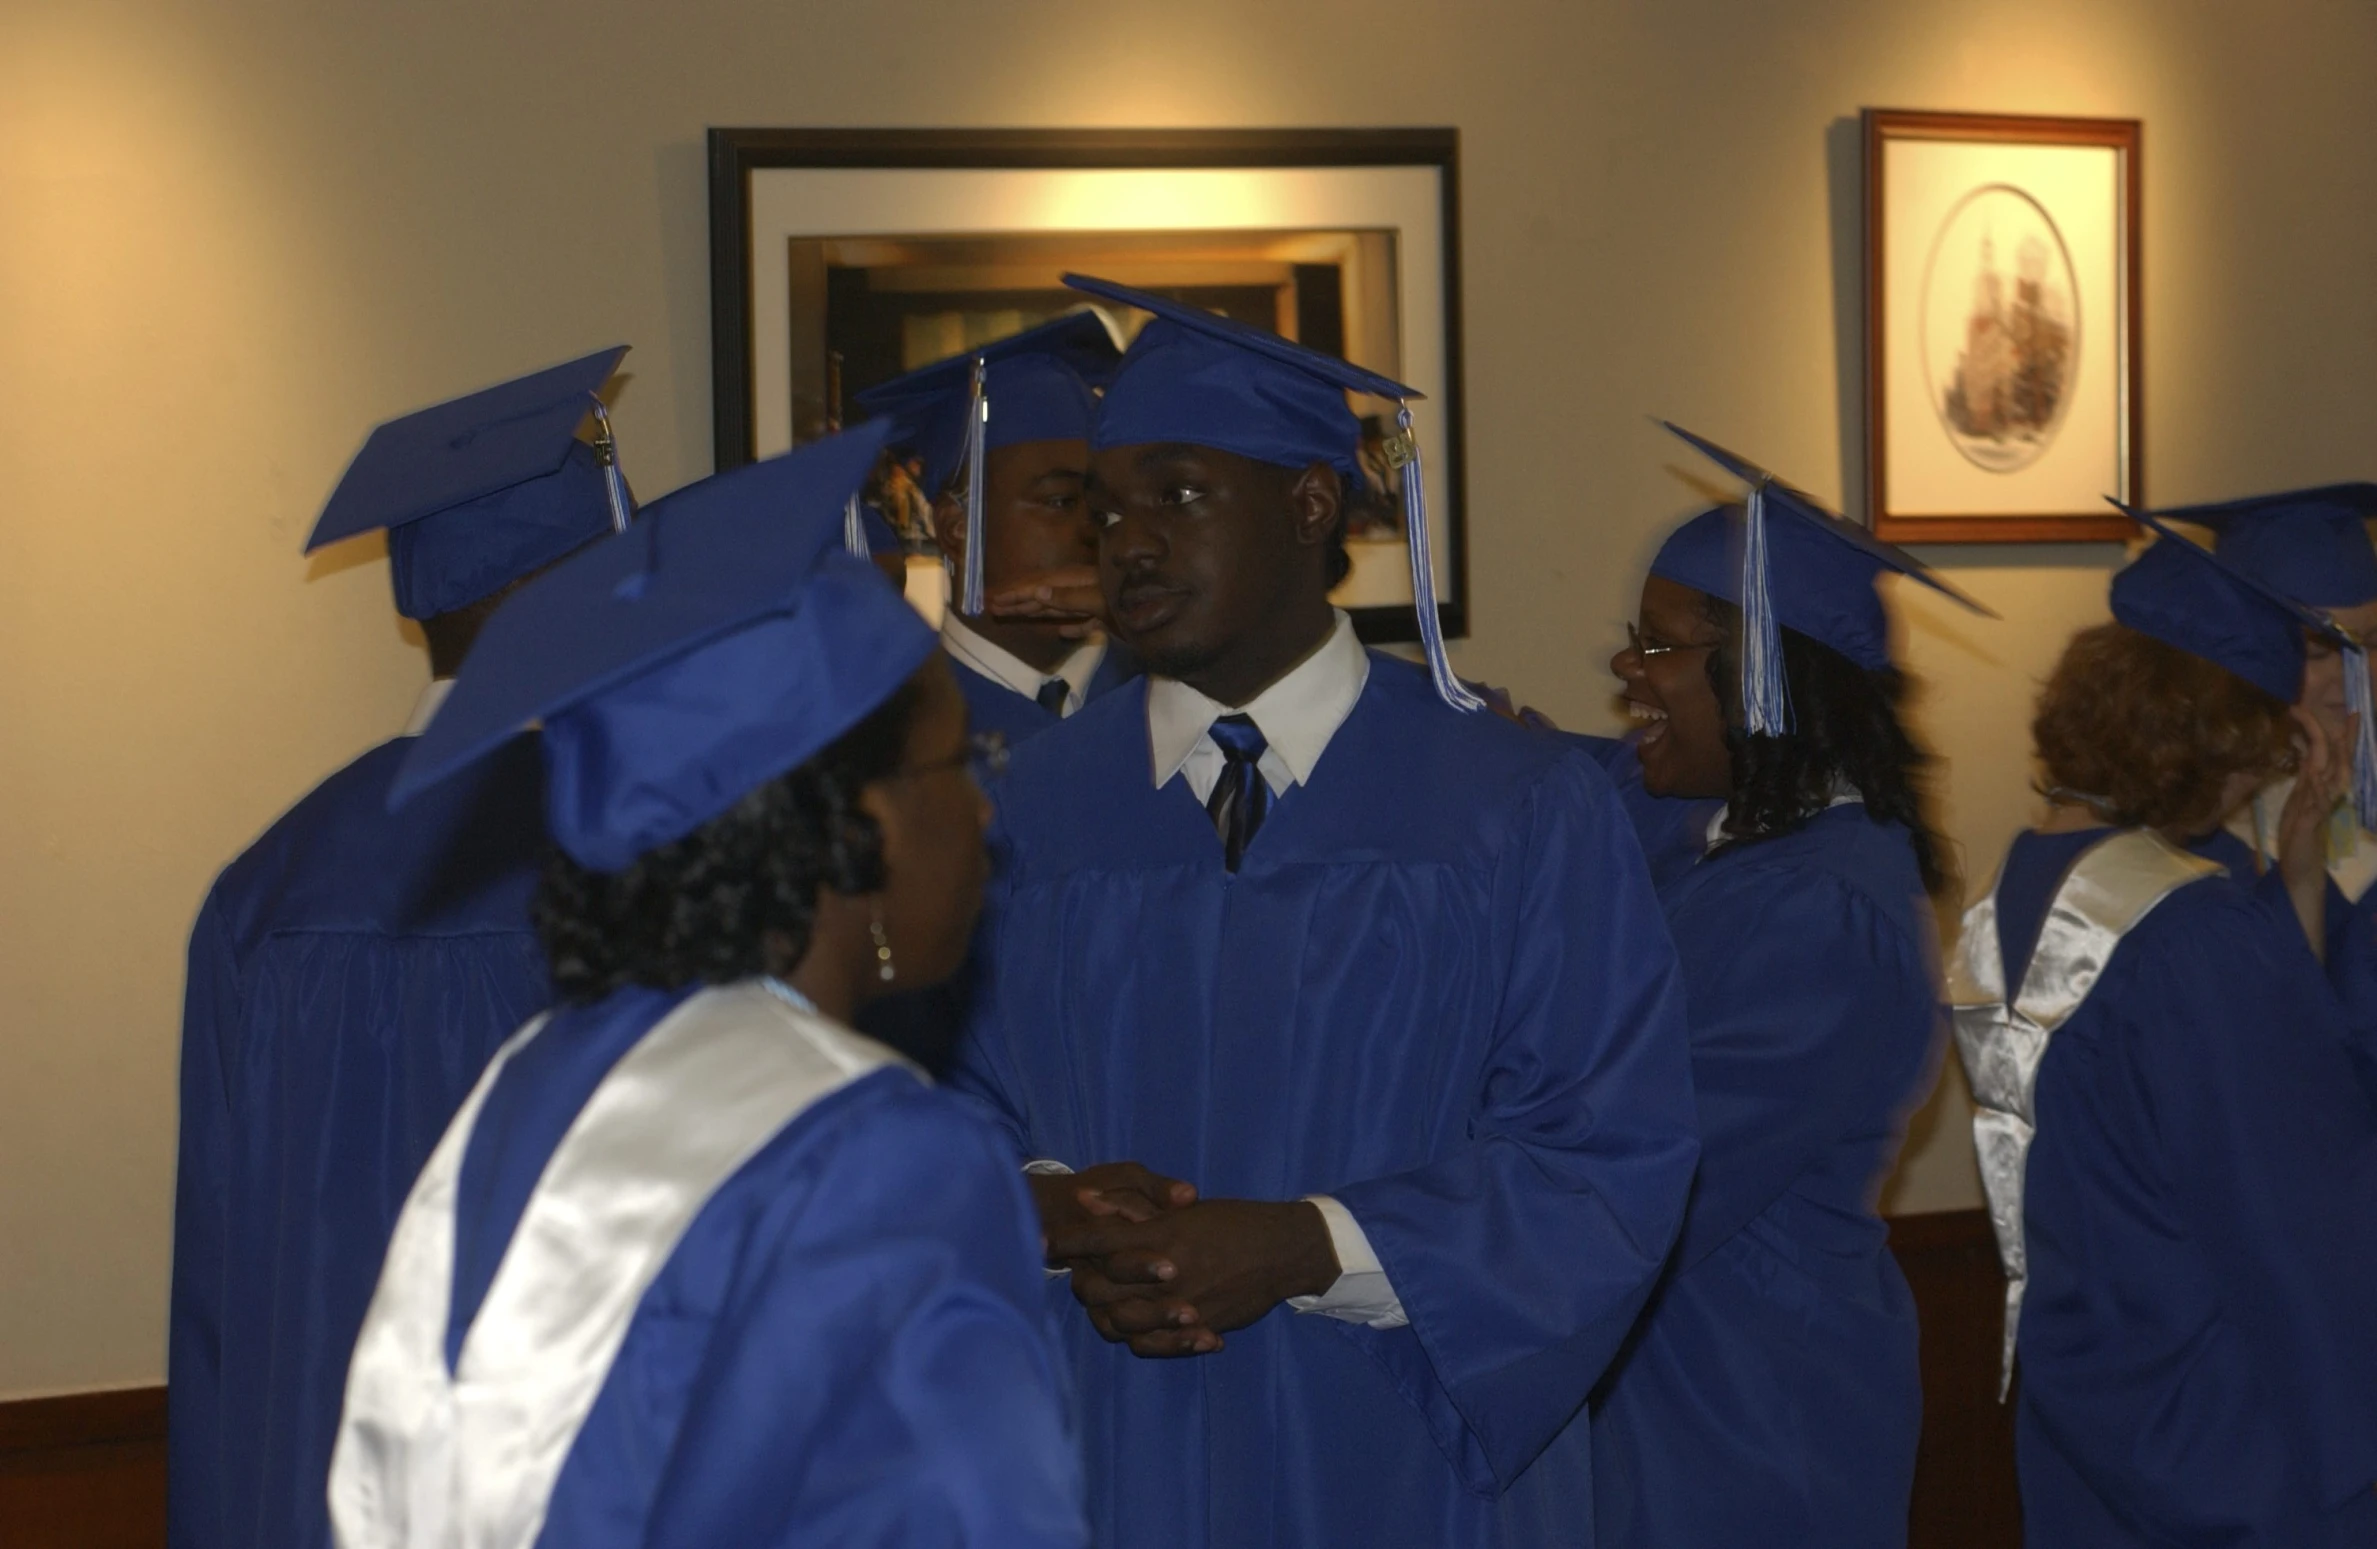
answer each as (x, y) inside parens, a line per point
(1634, 643)
(984, 756)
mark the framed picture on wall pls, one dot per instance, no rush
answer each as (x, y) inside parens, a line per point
(841, 258)
(2002, 327)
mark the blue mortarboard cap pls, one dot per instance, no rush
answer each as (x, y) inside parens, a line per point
(1787, 562)
(481, 490)
(2311, 544)
(1040, 382)
(2209, 606)
(1198, 378)
(1030, 386)
(2185, 595)
(719, 642)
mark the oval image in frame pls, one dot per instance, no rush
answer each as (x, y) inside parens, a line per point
(2000, 327)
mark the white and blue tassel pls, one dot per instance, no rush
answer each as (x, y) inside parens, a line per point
(854, 530)
(1765, 691)
(1423, 567)
(977, 430)
(606, 455)
(2364, 748)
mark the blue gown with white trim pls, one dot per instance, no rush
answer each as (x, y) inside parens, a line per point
(349, 977)
(1773, 1394)
(846, 1347)
(2198, 1354)
(1438, 989)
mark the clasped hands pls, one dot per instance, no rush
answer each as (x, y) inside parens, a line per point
(1167, 1273)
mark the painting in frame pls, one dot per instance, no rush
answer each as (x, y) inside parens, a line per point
(841, 258)
(2002, 327)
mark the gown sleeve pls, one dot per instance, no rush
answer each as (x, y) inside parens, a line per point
(194, 1343)
(1523, 1250)
(980, 1073)
(2271, 1150)
(1801, 990)
(2350, 963)
(883, 1373)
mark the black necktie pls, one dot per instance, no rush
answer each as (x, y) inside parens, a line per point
(1052, 696)
(1241, 796)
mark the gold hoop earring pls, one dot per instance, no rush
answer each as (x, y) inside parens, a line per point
(883, 965)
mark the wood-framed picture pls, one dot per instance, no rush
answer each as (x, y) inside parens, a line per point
(2002, 327)
(840, 258)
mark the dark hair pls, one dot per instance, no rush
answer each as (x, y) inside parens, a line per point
(736, 897)
(1845, 730)
(2149, 735)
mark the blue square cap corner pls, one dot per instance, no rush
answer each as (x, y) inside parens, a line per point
(2188, 596)
(1820, 567)
(721, 640)
(2311, 544)
(480, 490)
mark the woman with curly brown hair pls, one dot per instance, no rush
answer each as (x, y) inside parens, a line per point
(1771, 1392)
(2181, 1165)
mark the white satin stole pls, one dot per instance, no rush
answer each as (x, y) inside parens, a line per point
(2107, 891)
(467, 1459)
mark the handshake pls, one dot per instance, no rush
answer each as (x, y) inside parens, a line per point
(1167, 1273)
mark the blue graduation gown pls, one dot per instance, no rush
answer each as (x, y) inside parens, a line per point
(2349, 950)
(1439, 990)
(924, 1024)
(349, 977)
(1773, 1395)
(2198, 1358)
(847, 1346)
(993, 706)
(1673, 830)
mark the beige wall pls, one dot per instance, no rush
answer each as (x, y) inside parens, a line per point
(231, 237)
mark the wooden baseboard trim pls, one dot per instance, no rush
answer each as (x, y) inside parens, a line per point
(114, 1415)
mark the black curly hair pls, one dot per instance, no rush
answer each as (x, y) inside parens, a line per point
(736, 897)
(1845, 730)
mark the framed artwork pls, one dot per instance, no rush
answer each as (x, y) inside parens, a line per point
(2002, 327)
(841, 258)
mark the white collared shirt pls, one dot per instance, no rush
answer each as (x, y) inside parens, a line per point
(1298, 715)
(1004, 667)
(1843, 795)
(425, 709)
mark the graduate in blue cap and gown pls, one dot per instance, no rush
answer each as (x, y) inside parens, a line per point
(350, 974)
(696, 1264)
(1003, 432)
(1772, 1394)
(2180, 1166)
(2312, 546)
(1378, 975)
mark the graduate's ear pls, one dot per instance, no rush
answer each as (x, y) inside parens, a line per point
(1314, 501)
(949, 526)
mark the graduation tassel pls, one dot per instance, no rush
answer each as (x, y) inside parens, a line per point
(854, 531)
(977, 429)
(2364, 747)
(606, 456)
(1765, 693)
(1404, 453)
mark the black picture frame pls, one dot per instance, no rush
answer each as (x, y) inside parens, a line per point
(736, 153)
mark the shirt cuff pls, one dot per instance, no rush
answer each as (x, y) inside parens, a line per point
(1362, 1293)
(1047, 1165)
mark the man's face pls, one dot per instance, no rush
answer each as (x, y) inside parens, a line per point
(1194, 548)
(1032, 516)
(1033, 519)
